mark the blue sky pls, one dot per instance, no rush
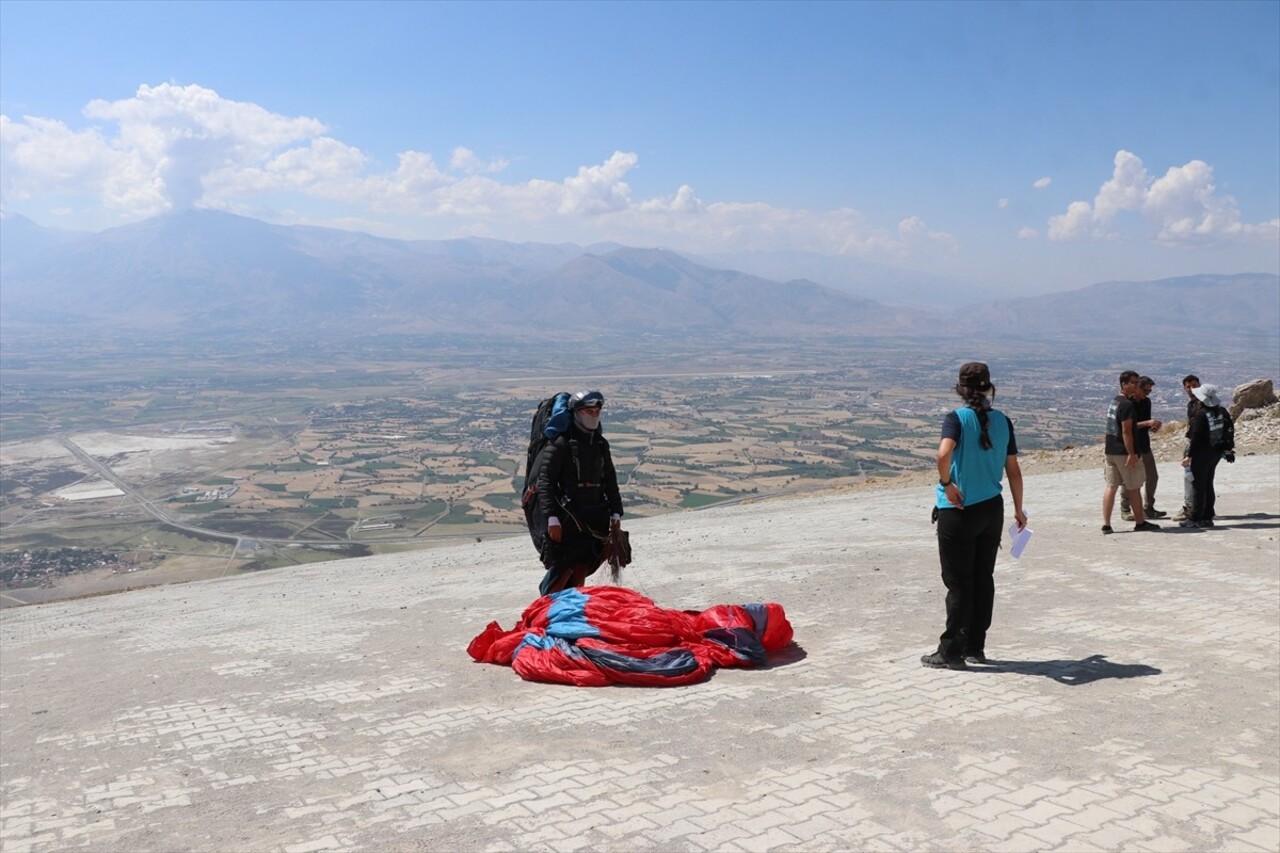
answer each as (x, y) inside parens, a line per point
(1031, 146)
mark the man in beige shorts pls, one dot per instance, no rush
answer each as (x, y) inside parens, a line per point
(1146, 425)
(1124, 468)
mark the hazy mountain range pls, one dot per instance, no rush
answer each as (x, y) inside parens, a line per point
(205, 271)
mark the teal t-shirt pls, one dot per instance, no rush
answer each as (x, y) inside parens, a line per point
(978, 473)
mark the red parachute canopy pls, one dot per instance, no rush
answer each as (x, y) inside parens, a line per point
(593, 636)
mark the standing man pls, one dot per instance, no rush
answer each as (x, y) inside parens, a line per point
(578, 496)
(977, 449)
(1122, 466)
(1212, 439)
(1190, 383)
(1146, 425)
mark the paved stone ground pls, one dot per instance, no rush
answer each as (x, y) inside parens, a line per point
(1134, 705)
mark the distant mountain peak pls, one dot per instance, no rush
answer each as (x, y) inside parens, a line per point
(202, 270)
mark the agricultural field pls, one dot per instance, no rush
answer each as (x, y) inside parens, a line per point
(231, 465)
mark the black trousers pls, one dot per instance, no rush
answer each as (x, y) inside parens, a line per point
(968, 540)
(579, 552)
(1203, 467)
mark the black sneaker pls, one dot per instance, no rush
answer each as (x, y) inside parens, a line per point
(1188, 523)
(1146, 525)
(979, 658)
(1206, 524)
(1152, 512)
(937, 661)
(1106, 529)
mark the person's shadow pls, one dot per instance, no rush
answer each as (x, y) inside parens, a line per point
(1070, 672)
(1251, 521)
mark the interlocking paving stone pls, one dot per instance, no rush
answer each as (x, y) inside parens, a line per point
(1130, 705)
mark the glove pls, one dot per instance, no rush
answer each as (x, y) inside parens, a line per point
(1230, 456)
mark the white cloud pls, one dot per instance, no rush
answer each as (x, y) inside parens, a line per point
(1041, 183)
(175, 136)
(913, 229)
(1072, 224)
(322, 167)
(1002, 203)
(1124, 190)
(170, 147)
(1180, 208)
(42, 155)
(465, 160)
(599, 189)
(911, 226)
(1025, 233)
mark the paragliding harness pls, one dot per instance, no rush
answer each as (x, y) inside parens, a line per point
(552, 419)
(1222, 432)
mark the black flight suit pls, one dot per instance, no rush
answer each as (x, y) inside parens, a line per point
(577, 484)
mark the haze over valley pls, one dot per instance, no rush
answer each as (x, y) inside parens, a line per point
(134, 458)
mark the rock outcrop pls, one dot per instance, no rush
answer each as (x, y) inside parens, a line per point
(1257, 394)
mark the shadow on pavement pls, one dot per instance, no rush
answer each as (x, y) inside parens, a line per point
(1070, 672)
(793, 653)
(1252, 521)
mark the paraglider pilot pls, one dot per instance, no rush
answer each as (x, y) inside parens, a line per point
(578, 493)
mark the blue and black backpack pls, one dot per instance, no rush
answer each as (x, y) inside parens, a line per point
(550, 420)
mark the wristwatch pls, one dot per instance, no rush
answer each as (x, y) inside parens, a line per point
(944, 485)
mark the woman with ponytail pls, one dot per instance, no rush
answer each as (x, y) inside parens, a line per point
(977, 450)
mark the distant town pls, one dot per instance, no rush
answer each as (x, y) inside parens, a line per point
(41, 567)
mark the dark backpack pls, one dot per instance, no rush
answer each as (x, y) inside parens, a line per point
(1222, 435)
(550, 420)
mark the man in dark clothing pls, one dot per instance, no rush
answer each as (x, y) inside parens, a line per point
(1190, 383)
(578, 496)
(1212, 439)
(1123, 469)
(1142, 443)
